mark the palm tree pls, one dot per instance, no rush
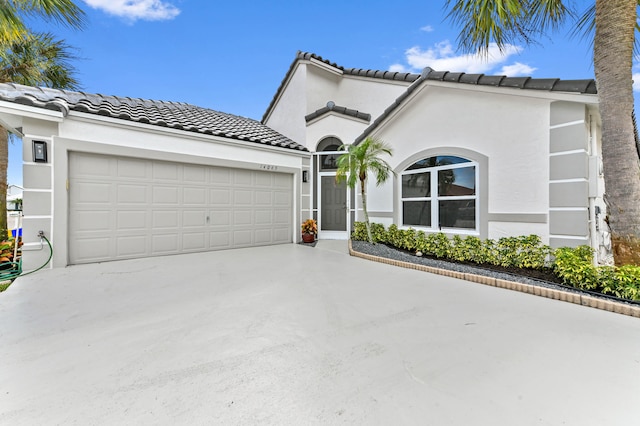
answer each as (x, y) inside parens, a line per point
(33, 60)
(13, 12)
(504, 22)
(357, 161)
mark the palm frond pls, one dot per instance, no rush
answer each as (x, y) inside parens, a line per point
(503, 22)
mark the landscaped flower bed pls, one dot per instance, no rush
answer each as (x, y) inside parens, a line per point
(524, 255)
(10, 264)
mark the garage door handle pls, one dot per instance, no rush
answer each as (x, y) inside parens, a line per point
(207, 219)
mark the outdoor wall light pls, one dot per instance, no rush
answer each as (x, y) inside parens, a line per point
(305, 176)
(39, 152)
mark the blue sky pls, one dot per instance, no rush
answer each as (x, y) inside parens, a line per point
(231, 56)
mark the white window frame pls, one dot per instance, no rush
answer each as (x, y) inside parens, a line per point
(435, 198)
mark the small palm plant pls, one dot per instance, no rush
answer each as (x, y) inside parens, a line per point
(357, 162)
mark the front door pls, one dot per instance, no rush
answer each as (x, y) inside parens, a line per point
(333, 208)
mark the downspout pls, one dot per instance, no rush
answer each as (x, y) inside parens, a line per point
(593, 190)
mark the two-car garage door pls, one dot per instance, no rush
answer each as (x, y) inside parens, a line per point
(123, 208)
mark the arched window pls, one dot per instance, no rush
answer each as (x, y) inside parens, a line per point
(440, 193)
(329, 161)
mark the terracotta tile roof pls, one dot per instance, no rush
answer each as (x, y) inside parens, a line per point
(174, 115)
(337, 109)
(587, 86)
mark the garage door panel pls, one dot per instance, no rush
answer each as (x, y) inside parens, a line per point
(242, 238)
(221, 197)
(92, 192)
(165, 195)
(165, 219)
(263, 179)
(131, 220)
(282, 199)
(220, 218)
(195, 174)
(243, 218)
(130, 168)
(220, 176)
(165, 171)
(92, 220)
(219, 240)
(243, 197)
(194, 218)
(243, 177)
(263, 217)
(131, 245)
(194, 196)
(282, 181)
(282, 235)
(263, 198)
(131, 194)
(87, 165)
(126, 208)
(164, 244)
(91, 249)
(282, 217)
(194, 241)
(262, 236)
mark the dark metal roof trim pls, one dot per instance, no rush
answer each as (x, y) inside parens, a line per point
(339, 110)
(174, 115)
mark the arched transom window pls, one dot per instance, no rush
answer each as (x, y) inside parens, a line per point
(440, 193)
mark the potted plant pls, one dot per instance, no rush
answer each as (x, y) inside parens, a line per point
(309, 230)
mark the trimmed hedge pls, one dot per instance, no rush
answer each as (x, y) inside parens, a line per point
(573, 265)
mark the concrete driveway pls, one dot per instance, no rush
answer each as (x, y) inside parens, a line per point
(299, 335)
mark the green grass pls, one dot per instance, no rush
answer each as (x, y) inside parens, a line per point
(4, 286)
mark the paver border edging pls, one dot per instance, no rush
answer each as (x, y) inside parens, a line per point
(550, 293)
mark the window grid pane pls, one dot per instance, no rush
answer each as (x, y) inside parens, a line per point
(416, 213)
(453, 203)
(416, 185)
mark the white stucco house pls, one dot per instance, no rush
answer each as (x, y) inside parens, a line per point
(111, 178)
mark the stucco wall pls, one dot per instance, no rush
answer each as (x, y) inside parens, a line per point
(511, 132)
(286, 116)
(312, 85)
(368, 95)
(335, 125)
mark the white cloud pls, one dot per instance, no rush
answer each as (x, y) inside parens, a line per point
(636, 82)
(517, 69)
(132, 10)
(397, 68)
(442, 57)
(427, 29)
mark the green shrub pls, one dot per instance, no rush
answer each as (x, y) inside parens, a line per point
(522, 252)
(359, 232)
(473, 249)
(441, 245)
(575, 267)
(378, 232)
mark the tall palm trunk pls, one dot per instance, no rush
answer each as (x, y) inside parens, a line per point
(613, 53)
(363, 191)
(4, 161)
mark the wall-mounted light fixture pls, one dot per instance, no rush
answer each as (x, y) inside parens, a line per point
(39, 152)
(305, 176)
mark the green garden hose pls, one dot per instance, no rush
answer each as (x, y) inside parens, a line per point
(45, 263)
